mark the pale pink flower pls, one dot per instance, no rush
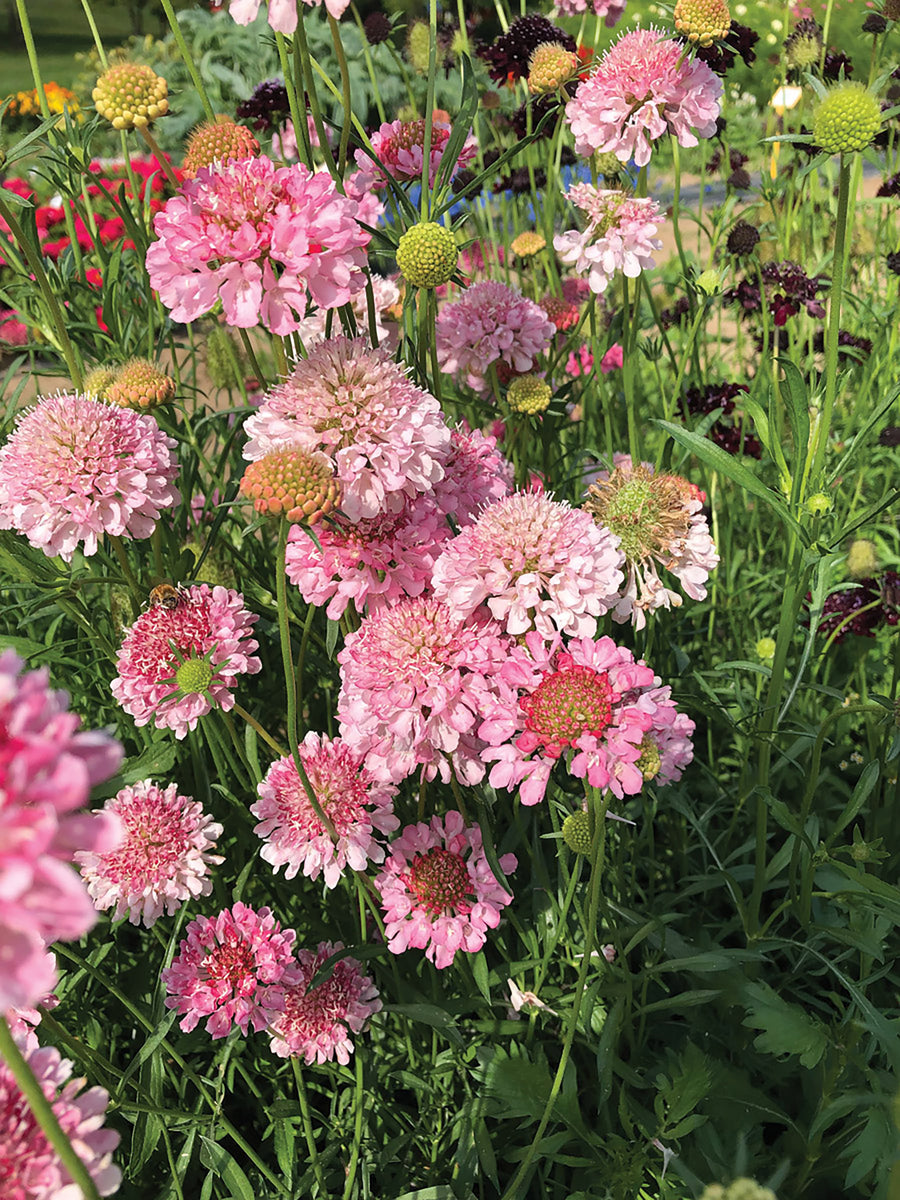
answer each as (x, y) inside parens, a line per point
(316, 1024)
(588, 701)
(374, 562)
(618, 237)
(232, 969)
(645, 86)
(490, 323)
(386, 437)
(613, 359)
(75, 468)
(666, 748)
(399, 147)
(414, 681)
(659, 519)
(438, 891)
(519, 1000)
(475, 474)
(176, 663)
(162, 860)
(283, 13)
(47, 769)
(369, 208)
(610, 10)
(536, 563)
(262, 239)
(359, 808)
(29, 1166)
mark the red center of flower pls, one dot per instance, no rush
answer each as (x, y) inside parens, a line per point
(439, 880)
(231, 965)
(563, 707)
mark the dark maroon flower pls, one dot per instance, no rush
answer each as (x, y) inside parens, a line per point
(377, 28)
(893, 262)
(743, 239)
(890, 187)
(509, 55)
(721, 56)
(847, 342)
(539, 108)
(519, 181)
(874, 23)
(858, 606)
(268, 107)
(702, 400)
(835, 65)
(746, 294)
(739, 179)
(677, 314)
(889, 436)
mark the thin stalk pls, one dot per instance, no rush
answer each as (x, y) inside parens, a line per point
(345, 92)
(43, 1113)
(367, 55)
(182, 45)
(241, 712)
(307, 1125)
(298, 118)
(160, 157)
(302, 46)
(95, 34)
(425, 200)
(357, 1128)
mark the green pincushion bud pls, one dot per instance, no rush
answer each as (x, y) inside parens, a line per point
(194, 675)
(427, 255)
(576, 833)
(847, 119)
(528, 394)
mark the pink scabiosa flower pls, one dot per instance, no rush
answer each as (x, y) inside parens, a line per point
(47, 769)
(232, 969)
(613, 359)
(415, 678)
(618, 237)
(536, 563)
(589, 701)
(490, 323)
(438, 891)
(29, 1166)
(282, 13)
(176, 663)
(316, 1024)
(644, 87)
(610, 10)
(386, 437)
(75, 468)
(358, 807)
(374, 562)
(260, 238)
(658, 519)
(162, 860)
(580, 363)
(475, 474)
(399, 147)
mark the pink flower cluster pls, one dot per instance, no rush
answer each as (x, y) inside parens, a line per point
(610, 10)
(618, 237)
(399, 147)
(490, 324)
(75, 468)
(438, 891)
(175, 663)
(283, 13)
(47, 769)
(590, 700)
(645, 86)
(262, 239)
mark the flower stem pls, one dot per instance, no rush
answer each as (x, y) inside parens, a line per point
(834, 314)
(43, 1112)
(357, 1128)
(161, 158)
(241, 712)
(188, 58)
(307, 1124)
(345, 92)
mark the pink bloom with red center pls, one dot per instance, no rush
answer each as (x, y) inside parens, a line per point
(386, 437)
(536, 563)
(75, 468)
(619, 236)
(645, 86)
(163, 859)
(316, 1025)
(415, 678)
(282, 14)
(47, 769)
(490, 323)
(260, 238)
(374, 562)
(563, 313)
(610, 10)
(399, 147)
(30, 1168)
(475, 474)
(359, 808)
(176, 663)
(589, 701)
(438, 891)
(658, 519)
(232, 969)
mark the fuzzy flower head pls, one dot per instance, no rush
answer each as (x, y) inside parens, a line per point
(490, 323)
(163, 859)
(438, 891)
(618, 237)
(316, 1024)
(293, 483)
(219, 140)
(373, 562)
(30, 1168)
(386, 437)
(644, 87)
(475, 474)
(658, 519)
(75, 468)
(282, 14)
(359, 809)
(610, 10)
(414, 679)
(536, 563)
(262, 239)
(590, 704)
(232, 969)
(47, 769)
(177, 662)
(399, 147)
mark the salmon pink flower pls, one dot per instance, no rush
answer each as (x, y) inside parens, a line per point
(618, 236)
(399, 147)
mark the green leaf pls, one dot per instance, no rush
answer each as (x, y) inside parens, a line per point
(786, 1028)
(863, 790)
(218, 1160)
(462, 123)
(331, 637)
(681, 1094)
(480, 972)
(429, 1014)
(796, 398)
(441, 1191)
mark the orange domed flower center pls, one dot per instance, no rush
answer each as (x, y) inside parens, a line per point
(440, 882)
(565, 706)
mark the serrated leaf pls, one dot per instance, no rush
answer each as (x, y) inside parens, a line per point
(786, 1028)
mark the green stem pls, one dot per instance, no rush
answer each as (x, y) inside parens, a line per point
(357, 1129)
(425, 203)
(188, 59)
(95, 34)
(241, 712)
(312, 96)
(160, 157)
(43, 1112)
(834, 315)
(307, 1125)
(298, 119)
(345, 93)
